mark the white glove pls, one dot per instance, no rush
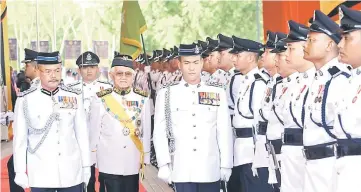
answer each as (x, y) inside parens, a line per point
(225, 174)
(147, 69)
(164, 174)
(22, 180)
(86, 175)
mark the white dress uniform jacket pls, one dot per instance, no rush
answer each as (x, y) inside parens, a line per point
(261, 154)
(232, 91)
(321, 104)
(201, 128)
(252, 87)
(348, 130)
(205, 76)
(53, 152)
(115, 151)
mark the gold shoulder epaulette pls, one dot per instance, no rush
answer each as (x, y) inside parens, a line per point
(170, 84)
(141, 92)
(31, 89)
(70, 89)
(73, 84)
(104, 92)
(104, 82)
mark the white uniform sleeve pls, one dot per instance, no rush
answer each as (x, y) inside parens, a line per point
(82, 133)
(160, 139)
(20, 142)
(224, 132)
(258, 95)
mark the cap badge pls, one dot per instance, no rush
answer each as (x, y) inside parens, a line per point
(88, 57)
(196, 50)
(340, 14)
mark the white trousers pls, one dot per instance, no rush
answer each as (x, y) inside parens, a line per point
(348, 171)
(320, 175)
(293, 164)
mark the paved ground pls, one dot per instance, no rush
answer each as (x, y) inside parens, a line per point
(151, 183)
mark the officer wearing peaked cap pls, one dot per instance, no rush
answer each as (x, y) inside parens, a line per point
(247, 102)
(325, 93)
(205, 55)
(214, 58)
(120, 124)
(346, 126)
(225, 62)
(293, 163)
(174, 65)
(55, 131)
(188, 131)
(261, 159)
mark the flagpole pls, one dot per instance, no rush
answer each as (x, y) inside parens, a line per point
(152, 95)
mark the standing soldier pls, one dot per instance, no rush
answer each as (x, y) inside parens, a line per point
(51, 141)
(89, 84)
(31, 72)
(187, 132)
(293, 161)
(120, 130)
(248, 101)
(325, 93)
(214, 59)
(347, 122)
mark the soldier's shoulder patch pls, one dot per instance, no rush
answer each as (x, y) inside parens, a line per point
(141, 92)
(170, 84)
(73, 84)
(214, 84)
(30, 90)
(104, 92)
(335, 71)
(258, 77)
(70, 89)
(104, 82)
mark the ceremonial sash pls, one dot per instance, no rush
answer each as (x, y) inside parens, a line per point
(117, 109)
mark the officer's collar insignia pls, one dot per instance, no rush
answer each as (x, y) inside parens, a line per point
(50, 93)
(89, 57)
(104, 92)
(67, 102)
(187, 85)
(122, 92)
(208, 98)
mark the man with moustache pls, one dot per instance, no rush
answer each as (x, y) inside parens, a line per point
(51, 140)
(293, 161)
(248, 101)
(120, 125)
(347, 126)
(325, 93)
(261, 162)
(192, 136)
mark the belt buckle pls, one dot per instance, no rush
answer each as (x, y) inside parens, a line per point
(283, 138)
(304, 153)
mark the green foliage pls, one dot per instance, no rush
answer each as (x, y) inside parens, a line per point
(169, 22)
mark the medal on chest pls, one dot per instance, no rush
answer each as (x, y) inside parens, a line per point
(208, 98)
(301, 91)
(268, 95)
(283, 92)
(318, 98)
(358, 91)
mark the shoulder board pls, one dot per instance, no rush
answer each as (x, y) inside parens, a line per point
(170, 84)
(140, 92)
(31, 89)
(70, 89)
(279, 78)
(213, 84)
(73, 84)
(349, 67)
(237, 73)
(335, 71)
(105, 82)
(104, 92)
(258, 77)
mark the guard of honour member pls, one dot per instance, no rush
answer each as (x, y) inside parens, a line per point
(302, 124)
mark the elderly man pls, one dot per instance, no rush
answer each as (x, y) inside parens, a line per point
(192, 122)
(120, 130)
(51, 141)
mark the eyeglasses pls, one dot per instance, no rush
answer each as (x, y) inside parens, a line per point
(50, 72)
(122, 74)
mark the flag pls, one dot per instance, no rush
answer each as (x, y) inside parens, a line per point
(4, 53)
(133, 25)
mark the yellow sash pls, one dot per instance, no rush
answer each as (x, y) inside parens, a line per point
(118, 110)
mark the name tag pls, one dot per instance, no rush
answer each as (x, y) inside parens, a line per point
(208, 98)
(66, 102)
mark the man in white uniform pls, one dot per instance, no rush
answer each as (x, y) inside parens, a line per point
(193, 138)
(51, 140)
(120, 127)
(325, 95)
(347, 122)
(90, 84)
